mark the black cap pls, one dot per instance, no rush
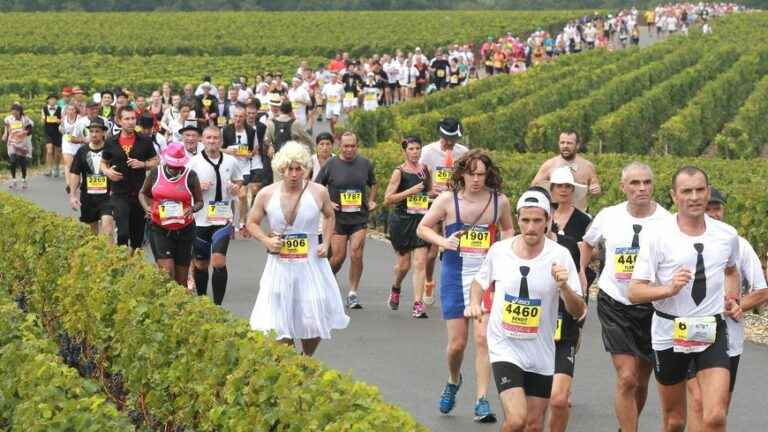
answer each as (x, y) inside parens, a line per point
(92, 104)
(190, 125)
(98, 122)
(146, 121)
(449, 128)
(715, 197)
(323, 136)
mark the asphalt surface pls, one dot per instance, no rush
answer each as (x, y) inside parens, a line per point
(405, 358)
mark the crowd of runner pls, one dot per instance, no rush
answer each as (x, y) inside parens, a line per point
(672, 288)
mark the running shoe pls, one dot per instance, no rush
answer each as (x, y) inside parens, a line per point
(353, 302)
(12, 184)
(483, 412)
(419, 310)
(429, 291)
(24, 184)
(394, 299)
(448, 398)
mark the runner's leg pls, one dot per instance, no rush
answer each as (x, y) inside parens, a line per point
(482, 362)
(672, 406)
(714, 401)
(107, 228)
(632, 375)
(402, 265)
(695, 414)
(457, 343)
(338, 251)
(308, 346)
(357, 245)
(536, 410)
(515, 406)
(419, 263)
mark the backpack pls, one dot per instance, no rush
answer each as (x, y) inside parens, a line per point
(282, 133)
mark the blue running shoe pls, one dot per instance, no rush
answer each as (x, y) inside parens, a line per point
(483, 412)
(448, 398)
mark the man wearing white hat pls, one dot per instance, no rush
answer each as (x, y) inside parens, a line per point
(583, 170)
(528, 273)
(300, 100)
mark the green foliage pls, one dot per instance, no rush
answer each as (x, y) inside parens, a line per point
(184, 361)
(742, 181)
(745, 136)
(692, 129)
(38, 393)
(258, 33)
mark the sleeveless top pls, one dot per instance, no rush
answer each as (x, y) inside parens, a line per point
(170, 197)
(474, 245)
(407, 181)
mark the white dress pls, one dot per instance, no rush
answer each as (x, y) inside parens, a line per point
(298, 299)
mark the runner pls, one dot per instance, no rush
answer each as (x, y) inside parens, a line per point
(70, 142)
(688, 324)
(51, 118)
(333, 92)
(300, 101)
(754, 294)
(170, 207)
(346, 178)
(408, 191)
(323, 153)
(284, 127)
(125, 160)
(298, 296)
(439, 157)
(17, 134)
(85, 174)
(626, 327)
(240, 141)
(526, 275)
(583, 170)
(220, 181)
(473, 215)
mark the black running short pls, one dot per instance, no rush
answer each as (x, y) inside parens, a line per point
(212, 239)
(348, 229)
(734, 368)
(565, 357)
(508, 376)
(255, 176)
(626, 328)
(92, 210)
(172, 244)
(672, 368)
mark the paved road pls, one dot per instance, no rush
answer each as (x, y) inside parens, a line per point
(405, 357)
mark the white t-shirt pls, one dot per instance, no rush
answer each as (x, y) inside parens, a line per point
(615, 226)
(333, 93)
(664, 249)
(392, 69)
(300, 100)
(503, 267)
(433, 156)
(752, 279)
(229, 171)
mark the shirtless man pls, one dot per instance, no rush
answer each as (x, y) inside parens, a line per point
(583, 170)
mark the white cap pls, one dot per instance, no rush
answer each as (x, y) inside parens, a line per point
(533, 198)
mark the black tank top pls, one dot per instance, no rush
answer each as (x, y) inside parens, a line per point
(407, 181)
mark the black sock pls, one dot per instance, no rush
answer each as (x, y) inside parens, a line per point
(201, 281)
(219, 284)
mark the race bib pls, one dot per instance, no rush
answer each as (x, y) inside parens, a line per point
(370, 97)
(206, 103)
(16, 124)
(475, 242)
(694, 334)
(219, 212)
(417, 204)
(559, 327)
(171, 212)
(624, 262)
(349, 96)
(454, 79)
(351, 200)
(295, 248)
(443, 177)
(333, 100)
(521, 317)
(296, 106)
(243, 150)
(96, 184)
(221, 121)
(440, 73)
(51, 119)
(67, 137)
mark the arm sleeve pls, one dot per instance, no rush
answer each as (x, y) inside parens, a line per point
(484, 275)
(647, 260)
(594, 234)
